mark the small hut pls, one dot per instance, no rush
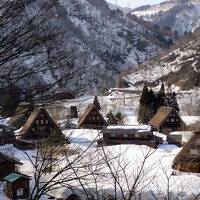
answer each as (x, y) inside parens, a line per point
(17, 186)
(179, 138)
(188, 159)
(7, 165)
(39, 125)
(141, 135)
(92, 118)
(167, 120)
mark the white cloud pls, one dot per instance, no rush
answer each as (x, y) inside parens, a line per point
(133, 3)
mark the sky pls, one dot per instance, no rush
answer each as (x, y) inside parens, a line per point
(134, 3)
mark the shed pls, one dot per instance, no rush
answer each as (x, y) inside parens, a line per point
(179, 138)
(17, 186)
(188, 159)
(7, 165)
(92, 118)
(167, 120)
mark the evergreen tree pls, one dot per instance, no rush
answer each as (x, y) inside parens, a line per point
(143, 114)
(96, 103)
(152, 103)
(111, 119)
(170, 101)
(161, 97)
(119, 117)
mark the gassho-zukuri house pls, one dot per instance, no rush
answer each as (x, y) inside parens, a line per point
(33, 125)
(167, 120)
(140, 135)
(188, 159)
(92, 118)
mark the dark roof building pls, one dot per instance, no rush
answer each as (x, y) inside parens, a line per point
(167, 120)
(141, 135)
(17, 186)
(188, 159)
(7, 165)
(92, 118)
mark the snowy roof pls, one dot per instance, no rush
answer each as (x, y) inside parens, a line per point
(136, 127)
(4, 157)
(127, 129)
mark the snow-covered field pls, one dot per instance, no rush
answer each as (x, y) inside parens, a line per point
(156, 168)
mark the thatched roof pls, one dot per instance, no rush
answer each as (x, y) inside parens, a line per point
(190, 154)
(31, 119)
(87, 112)
(8, 158)
(21, 114)
(161, 116)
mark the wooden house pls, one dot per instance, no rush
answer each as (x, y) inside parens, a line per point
(167, 120)
(92, 118)
(17, 186)
(38, 126)
(141, 135)
(7, 165)
(188, 159)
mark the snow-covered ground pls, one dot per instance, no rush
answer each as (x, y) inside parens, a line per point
(158, 165)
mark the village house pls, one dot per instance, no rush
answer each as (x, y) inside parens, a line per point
(141, 135)
(33, 125)
(17, 186)
(7, 165)
(188, 159)
(92, 118)
(167, 120)
(38, 126)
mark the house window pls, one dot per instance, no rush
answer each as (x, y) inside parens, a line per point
(33, 129)
(125, 135)
(112, 135)
(47, 121)
(42, 121)
(177, 119)
(37, 122)
(137, 135)
(20, 192)
(172, 120)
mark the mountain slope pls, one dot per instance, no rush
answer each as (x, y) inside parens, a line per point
(180, 15)
(103, 43)
(180, 68)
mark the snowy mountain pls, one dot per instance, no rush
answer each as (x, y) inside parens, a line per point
(180, 15)
(103, 42)
(179, 68)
